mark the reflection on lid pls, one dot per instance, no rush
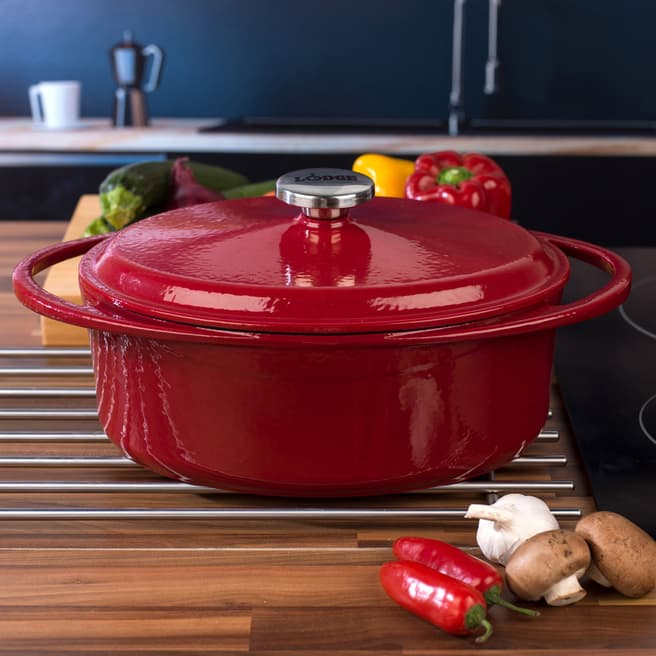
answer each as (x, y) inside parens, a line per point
(325, 254)
(428, 300)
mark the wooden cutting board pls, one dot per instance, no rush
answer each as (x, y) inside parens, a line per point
(61, 279)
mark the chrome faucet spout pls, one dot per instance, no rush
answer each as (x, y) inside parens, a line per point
(456, 102)
(492, 64)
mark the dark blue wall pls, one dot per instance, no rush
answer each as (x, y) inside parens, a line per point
(576, 59)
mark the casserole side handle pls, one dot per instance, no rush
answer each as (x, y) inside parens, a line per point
(546, 317)
(37, 299)
(603, 300)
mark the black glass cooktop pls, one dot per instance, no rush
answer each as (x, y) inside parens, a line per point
(606, 368)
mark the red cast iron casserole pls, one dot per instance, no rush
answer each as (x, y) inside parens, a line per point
(250, 346)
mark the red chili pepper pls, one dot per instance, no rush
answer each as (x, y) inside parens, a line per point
(454, 562)
(449, 604)
(469, 180)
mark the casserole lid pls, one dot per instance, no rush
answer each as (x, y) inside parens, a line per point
(261, 264)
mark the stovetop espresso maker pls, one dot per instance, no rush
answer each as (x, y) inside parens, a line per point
(129, 60)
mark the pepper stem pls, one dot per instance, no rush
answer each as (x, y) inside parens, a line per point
(493, 596)
(488, 632)
(518, 609)
(475, 618)
(454, 175)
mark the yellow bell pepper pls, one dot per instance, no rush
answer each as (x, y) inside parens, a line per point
(388, 173)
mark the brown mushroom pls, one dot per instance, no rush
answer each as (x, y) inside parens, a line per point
(623, 555)
(549, 565)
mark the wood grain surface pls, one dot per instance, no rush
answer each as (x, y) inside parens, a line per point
(61, 279)
(264, 587)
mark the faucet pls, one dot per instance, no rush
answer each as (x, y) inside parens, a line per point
(456, 97)
(492, 65)
(456, 104)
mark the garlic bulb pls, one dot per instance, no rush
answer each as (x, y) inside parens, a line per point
(508, 522)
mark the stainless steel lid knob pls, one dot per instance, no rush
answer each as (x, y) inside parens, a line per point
(324, 193)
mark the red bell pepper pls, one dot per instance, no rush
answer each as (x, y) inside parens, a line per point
(454, 562)
(449, 604)
(469, 180)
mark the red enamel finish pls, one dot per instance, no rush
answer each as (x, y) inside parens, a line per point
(326, 412)
(312, 421)
(257, 264)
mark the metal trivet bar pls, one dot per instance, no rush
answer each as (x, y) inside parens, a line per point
(47, 392)
(252, 513)
(108, 473)
(45, 371)
(52, 436)
(45, 352)
(43, 413)
(98, 436)
(118, 461)
(50, 487)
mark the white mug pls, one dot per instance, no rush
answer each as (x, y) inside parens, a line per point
(56, 104)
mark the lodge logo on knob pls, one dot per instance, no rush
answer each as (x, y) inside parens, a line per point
(314, 178)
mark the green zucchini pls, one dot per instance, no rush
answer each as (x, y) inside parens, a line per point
(216, 178)
(98, 227)
(126, 194)
(250, 190)
(137, 190)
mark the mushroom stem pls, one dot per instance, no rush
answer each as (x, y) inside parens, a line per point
(595, 574)
(482, 511)
(567, 591)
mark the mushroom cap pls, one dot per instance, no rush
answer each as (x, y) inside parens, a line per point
(621, 550)
(544, 560)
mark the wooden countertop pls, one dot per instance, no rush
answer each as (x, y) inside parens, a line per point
(258, 586)
(18, 135)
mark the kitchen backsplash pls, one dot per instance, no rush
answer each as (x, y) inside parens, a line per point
(571, 59)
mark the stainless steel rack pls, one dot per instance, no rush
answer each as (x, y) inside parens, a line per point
(45, 387)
